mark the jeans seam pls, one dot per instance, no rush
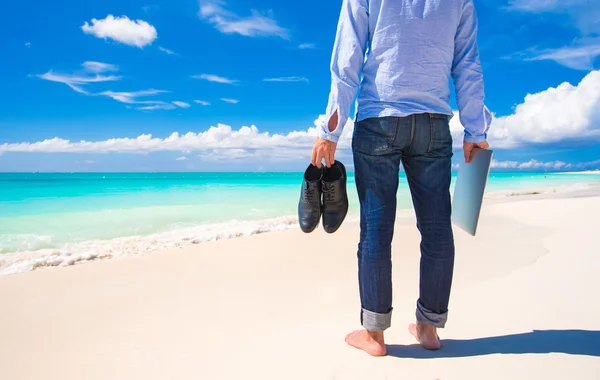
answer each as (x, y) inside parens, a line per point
(431, 139)
(412, 130)
(395, 134)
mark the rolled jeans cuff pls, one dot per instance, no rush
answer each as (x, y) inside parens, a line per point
(428, 317)
(376, 321)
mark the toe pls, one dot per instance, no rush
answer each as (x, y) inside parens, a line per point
(351, 335)
(412, 329)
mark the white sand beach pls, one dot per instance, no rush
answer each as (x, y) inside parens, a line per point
(582, 172)
(277, 306)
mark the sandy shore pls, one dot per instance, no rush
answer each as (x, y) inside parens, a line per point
(277, 306)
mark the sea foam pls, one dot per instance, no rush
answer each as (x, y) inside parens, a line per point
(177, 237)
(81, 252)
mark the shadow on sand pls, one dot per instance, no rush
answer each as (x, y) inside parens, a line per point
(573, 342)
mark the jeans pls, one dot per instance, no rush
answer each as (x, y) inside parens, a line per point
(423, 143)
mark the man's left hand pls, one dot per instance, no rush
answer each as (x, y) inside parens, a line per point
(469, 146)
(323, 149)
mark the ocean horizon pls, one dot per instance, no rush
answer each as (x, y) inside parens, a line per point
(51, 219)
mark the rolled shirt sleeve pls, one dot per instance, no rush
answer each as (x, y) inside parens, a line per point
(346, 65)
(468, 78)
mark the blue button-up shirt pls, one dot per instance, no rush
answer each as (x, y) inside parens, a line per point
(398, 55)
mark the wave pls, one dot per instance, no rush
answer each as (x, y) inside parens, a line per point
(81, 252)
(30, 242)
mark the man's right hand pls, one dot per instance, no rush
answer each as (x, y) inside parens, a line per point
(469, 146)
(323, 149)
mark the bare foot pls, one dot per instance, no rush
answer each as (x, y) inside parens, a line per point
(370, 342)
(426, 335)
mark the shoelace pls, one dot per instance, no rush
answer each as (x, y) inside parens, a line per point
(329, 191)
(309, 192)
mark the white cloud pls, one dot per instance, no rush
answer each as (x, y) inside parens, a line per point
(221, 137)
(219, 141)
(130, 97)
(504, 164)
(534, 164)
(589, 165)
(156, 106)
(181, 104)
(150, 8)
(28, 44)
(541, 5)
(165, 50)
(99, 67)
(231, 101)
(225, 21)
(75, 81)
(582, 13)
(202, 102)
(563, 114)
(580, 55)
(214, 78)
(121, 29)
(181, 158)
(287, 79)
(531, 164)
(306, 46)
(252, 154)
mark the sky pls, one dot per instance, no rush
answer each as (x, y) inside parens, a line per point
(237, 85)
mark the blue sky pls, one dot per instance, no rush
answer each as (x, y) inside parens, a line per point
(109, 72)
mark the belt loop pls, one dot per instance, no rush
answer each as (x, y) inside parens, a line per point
(412, 128)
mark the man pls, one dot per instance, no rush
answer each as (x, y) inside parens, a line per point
(399, 55)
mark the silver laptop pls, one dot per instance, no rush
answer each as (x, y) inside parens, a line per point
(469, 190)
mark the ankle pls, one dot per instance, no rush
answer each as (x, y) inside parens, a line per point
(424, 329)
(376, 335)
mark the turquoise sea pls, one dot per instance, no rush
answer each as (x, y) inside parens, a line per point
(49, 219)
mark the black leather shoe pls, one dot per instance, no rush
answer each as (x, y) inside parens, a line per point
(335, 198)
(309, 206)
